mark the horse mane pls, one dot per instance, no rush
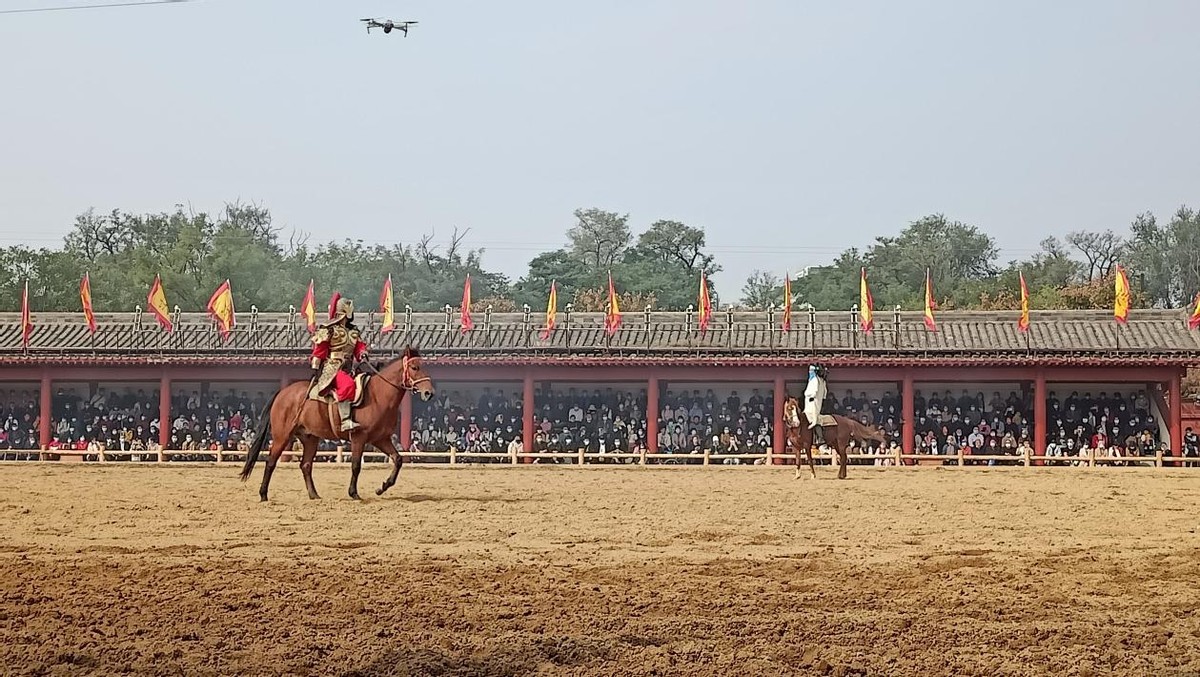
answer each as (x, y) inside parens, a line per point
(409, 351)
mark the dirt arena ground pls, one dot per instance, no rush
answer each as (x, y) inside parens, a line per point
(600, 571)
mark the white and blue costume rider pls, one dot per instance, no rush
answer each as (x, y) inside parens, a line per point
(814, 396)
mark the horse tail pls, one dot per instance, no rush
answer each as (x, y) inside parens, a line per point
(867, 432)
(260, 438)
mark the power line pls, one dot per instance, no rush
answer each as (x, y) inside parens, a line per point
(74, 7)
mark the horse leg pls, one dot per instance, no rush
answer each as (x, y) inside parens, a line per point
(356, 454)
(812, 467)
(278, 445)
(388, 448)
(306, 464)
(841, 452)
(795, 439)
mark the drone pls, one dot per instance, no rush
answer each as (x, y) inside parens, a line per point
(387, 25)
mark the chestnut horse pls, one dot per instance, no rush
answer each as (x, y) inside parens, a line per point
(290, 414)
(801, 436)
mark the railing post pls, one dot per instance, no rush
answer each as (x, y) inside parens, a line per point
(853, 325)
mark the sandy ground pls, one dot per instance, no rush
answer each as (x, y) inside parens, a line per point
(600, 571)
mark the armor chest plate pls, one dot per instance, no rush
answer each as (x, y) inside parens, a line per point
(342, 340)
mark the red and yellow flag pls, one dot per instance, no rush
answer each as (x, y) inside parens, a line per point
(551, 312)
(85, 297)
(612, 312)
(1023, 321)
(704, 305)
(1121, 296)
(786, 324)
(930, 303)
(387, 307)
(866, 305)
(220, 307)
(1194, 320)
(308, 308)
(156, 300)
(26, 321)
(464, 313)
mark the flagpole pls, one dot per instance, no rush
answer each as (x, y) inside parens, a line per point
(92, 307)
(24, 319)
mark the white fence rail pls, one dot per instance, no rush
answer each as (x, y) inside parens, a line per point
(582, 457)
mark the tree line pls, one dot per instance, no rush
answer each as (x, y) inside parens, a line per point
(659, 267)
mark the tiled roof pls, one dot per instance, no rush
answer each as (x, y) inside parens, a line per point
(1077, 336)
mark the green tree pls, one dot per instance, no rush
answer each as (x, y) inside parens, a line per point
(599, 238)
(1100, 250)
(761, 289)
(1165, 260)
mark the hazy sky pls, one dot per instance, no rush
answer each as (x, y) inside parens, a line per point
(788, 129)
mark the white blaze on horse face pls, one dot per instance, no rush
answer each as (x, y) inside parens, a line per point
(792, 418)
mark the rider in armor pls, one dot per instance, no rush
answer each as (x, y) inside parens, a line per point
(337, 346)
(814, 396)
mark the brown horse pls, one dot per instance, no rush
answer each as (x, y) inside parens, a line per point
(840, 435)
(291, 413)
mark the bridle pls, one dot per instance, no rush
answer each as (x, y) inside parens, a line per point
(790, 419)
(407, 382)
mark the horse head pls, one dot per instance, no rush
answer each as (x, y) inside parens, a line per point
(413, 375)
(791, 412)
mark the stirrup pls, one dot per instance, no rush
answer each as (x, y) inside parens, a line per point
(345, 409)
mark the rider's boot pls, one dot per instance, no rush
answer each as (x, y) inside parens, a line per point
(347, 422)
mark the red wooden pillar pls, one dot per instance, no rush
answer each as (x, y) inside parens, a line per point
(528, 409)
(777, 445)
(164, 411)
(1039, 414)
(45, 410)
(908, 430)
(653, 411)
(406, 421)
(1175, 403)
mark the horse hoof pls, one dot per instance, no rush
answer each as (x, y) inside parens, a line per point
(379, 492)
(355, 497)
(262, 499)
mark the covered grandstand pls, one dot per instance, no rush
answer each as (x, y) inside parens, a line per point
(1064, 351)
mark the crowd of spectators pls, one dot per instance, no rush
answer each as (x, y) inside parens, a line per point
(19, 434)
(124, 423)
(599, 421)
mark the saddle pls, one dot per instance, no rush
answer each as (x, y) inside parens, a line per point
(827, 421)
(360, 389)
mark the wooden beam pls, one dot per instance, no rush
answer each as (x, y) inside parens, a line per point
(652, 414)
(780, 394)
(1039, 414)
(528, 410)
(164, 410)
(45, 409)
(907, 412)
(1175, 403)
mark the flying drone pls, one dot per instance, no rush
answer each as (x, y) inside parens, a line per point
(387, 25)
